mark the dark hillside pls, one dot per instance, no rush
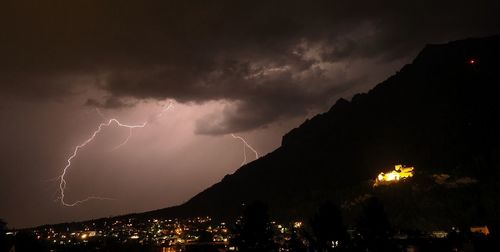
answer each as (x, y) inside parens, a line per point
(441, 114)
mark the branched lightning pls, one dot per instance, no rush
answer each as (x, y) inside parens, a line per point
(107, 123)
(125, 141)
(63, 183)
(169, 106)
(245, 146)
(129, 130)
(165, 109)
(61, 178)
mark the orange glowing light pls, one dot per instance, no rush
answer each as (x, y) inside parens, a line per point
(480, 230)
(399, 173)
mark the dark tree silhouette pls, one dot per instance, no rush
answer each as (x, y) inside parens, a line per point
(254, 232)
(26, 241)
(374, 226)
(328, 228)
(295, 244)
(373, 222)
(3, 240)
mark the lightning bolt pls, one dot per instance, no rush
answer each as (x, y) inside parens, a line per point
(165, 109)
(63, 183)
(245, 146)
(169, 106)
(126, 139)
(61, 178)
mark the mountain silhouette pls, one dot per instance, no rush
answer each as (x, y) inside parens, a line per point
(440, 114)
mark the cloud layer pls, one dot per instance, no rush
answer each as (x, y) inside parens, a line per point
(268, 59)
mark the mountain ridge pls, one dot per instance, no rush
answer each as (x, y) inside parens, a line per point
(437, 113)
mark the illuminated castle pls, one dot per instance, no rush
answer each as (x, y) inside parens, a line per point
(399, 173)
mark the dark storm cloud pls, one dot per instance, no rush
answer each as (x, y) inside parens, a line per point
(272, 59)
(109, 103)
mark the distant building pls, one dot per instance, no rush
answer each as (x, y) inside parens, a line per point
(399, 173)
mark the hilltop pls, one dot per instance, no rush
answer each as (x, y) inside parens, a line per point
(440, 113)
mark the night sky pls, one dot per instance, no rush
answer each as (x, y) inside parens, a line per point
(253, 68)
